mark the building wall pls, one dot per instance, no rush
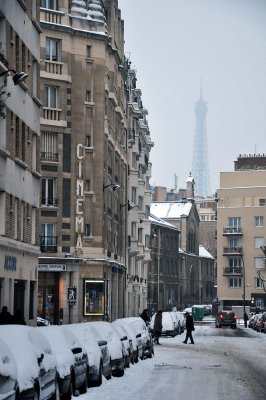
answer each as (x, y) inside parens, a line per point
(241, 195)
(19, 158)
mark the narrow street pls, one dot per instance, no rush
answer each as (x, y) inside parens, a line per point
(224, 364)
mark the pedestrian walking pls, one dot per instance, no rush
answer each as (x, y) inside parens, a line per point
(246, 319)
(189, 328)
(158, 326)
(5, 316)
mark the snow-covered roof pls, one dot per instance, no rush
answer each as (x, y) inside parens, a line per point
(204, 253)
(161, 222)
(170, 209)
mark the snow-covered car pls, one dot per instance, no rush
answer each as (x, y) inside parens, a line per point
(177, 320)
(132, 335)
(127, 343)
(168, 322)
(8, 383)
(71, 360)
(256, 325)
(105, 331)
(99, 362)
(145, 335)
(251, 321)
(33, 362)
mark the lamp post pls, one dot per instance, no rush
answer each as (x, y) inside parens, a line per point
(159, 262)
(18, 76)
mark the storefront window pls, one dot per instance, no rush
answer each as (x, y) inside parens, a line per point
(94, 297)
(48, 297)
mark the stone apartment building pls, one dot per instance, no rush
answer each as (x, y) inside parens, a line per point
(86, 178)
(139, 197)
(241, 216)
(19, 156)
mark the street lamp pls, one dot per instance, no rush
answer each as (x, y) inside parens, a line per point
(115, 186)
(18, 76)
(129, 206)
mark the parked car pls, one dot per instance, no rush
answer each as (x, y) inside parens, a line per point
(34, 362)
(177, 320)
(134, 337)
(105, 331)
(144, 332)
(168, 322)
(256, 325)
(226, 318)
(99, 362)
(251, 321)
(127, 343)
(8, 377)
(71, 360)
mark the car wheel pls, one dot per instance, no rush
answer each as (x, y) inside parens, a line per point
(83, 388)
(109, 376)
(99, 381)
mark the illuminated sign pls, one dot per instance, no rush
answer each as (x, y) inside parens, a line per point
(79, 226)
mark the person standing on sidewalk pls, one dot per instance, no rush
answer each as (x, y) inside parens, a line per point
(246, 319)
(189, 328)
(158, 326)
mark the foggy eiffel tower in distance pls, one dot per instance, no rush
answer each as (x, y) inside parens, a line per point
(200, 165)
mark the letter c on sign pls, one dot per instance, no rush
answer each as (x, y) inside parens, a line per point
(80, 151)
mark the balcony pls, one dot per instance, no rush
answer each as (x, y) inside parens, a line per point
(49, 156)
(233, 271)
(51, 16)
(53, 114)
(48, 244)
(232, 231)
(54, 67)
(232, 251)
(49, 201)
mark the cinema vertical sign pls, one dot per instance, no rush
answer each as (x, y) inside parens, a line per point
(79, 225)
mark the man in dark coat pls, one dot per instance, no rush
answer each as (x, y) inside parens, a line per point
(158, 326)
(189, 328)
(5, 316)
(245, 319)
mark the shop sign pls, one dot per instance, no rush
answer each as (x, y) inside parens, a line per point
(52, 267)
(10, 263)
(79, 226)
(72, 295)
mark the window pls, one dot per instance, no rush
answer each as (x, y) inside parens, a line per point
(259, 283)
(88, 51)
(134, 195)
(50, 4)
(233, 243)
(33, 226)
(48, 192)
(34, 78)
(235, 282)
(259, 262)
(235, 262)
(87, 185)
(259, 241)
(87, 229)
(262, 202)
(88, 96)
(234, 222)
(49, 145)
(48, 238)
(88, 141)
(133, 230)
(51, 96)
(52, 49)
(258, 221)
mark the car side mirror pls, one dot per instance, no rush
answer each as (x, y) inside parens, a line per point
(138, 335)
(76, 350)
(102, 342)
(39, 359)
(123, 338)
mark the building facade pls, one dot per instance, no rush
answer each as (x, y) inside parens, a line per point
(241, 215)
(82, 268)
(92, 197)
(139, 198)
(19, 156)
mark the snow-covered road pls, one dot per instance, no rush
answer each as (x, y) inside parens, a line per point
(224, 364)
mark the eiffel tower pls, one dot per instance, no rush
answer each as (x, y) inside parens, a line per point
(200, 165)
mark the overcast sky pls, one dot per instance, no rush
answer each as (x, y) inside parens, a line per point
(173, 44)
